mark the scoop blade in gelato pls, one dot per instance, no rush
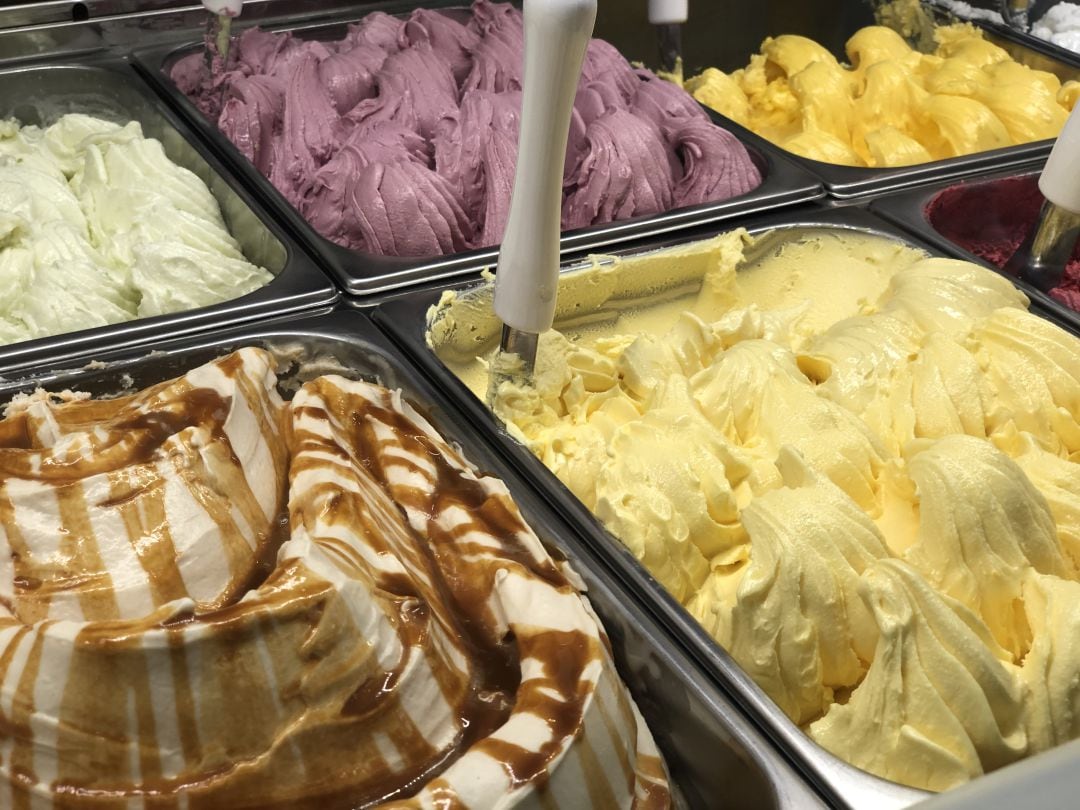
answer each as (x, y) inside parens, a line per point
(992, 218)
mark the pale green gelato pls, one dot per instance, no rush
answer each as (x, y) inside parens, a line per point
(98, 226)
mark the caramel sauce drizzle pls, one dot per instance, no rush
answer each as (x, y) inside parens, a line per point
(365, 644)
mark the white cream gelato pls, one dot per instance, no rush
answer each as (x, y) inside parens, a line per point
(1060, 25)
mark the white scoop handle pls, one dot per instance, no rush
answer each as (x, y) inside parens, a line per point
(667, 12)
(557, 33)
(1060, 179)
(230, 8)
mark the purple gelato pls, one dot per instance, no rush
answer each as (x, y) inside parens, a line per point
(401, 138)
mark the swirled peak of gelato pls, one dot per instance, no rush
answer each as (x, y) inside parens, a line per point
(98, 226)
(401, 138)
(221, 599)
(857, 466)
(889, 105)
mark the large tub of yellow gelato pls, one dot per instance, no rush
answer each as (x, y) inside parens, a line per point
(918, 97)
(848, 467)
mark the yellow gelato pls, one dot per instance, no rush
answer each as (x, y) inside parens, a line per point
(795, 621)
(856, 466)
(941, 702)
(890, 105)
(1049, 670)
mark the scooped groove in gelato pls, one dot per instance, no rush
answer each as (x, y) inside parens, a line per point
(891, 105)
(215, 596)
(98, 226)
(854, 465)
(401, 138)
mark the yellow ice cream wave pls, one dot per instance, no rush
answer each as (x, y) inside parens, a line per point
(855, 465)
(890, 105)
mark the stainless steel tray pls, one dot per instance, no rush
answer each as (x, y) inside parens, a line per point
(404, 319)
(365, 274)
(908, 210)
(830, 23)
(109, 88)
(716, 757)
(53, 27)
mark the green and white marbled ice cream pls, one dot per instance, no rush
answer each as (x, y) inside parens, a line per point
(98, 226)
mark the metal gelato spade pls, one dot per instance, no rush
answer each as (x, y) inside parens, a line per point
(219, 30)
(1015, 13)
(557, 32)
(1042, 257)
(668, 17)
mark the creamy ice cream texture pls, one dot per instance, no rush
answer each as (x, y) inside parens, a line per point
(98, 226)
(401, 138)
(1059, 24)
(890, 105)
(992, 218)
(854, 465)
(213, 593)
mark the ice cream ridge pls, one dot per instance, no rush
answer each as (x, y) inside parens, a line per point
(212, 598)
(401, 138)
(890, 105)
(854, 465)
(98, 226)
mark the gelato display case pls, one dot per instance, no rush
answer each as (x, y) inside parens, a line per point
(109, 90)
(361, 254)
(667, 476)
(709, 748)
(786, 515)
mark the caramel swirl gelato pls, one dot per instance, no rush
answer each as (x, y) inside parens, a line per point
(213, 598)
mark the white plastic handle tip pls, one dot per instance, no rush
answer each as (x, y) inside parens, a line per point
(666, 12)
(230, 8)
(557, 33)
(1060, 180)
